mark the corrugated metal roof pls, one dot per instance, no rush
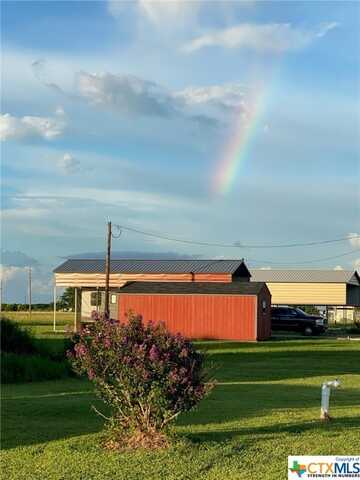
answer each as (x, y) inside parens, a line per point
(150, 266)
(198, 288)
(305, 276)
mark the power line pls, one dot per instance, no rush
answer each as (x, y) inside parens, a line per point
(271, 262)
(235, 244)
(314, 260)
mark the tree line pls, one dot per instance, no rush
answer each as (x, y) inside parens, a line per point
(65, 302)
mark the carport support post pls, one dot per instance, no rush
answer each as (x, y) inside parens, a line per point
(77, 316)
(54, 306)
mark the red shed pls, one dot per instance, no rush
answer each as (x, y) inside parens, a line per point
(228, 311)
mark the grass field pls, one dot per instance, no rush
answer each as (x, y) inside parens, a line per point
(265, 407)
(41, 323)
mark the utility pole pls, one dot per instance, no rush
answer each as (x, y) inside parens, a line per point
(30, 293)
(1, 290)
(107, 271)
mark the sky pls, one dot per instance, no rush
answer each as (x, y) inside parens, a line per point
(219, 122)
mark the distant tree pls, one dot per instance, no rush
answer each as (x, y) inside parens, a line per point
(67, 299)
(309, 309)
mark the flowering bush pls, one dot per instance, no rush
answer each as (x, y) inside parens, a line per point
(145, 374)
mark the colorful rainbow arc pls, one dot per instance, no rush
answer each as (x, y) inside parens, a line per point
(238, 147)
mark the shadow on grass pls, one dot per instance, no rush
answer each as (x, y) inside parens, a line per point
(46, 417)
(35, 419)
(56, 347)
(43, 418)
(338, 425)
(278, 365)
(229, 403)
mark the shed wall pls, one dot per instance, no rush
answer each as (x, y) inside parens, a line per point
(228, 317)
(307, 293)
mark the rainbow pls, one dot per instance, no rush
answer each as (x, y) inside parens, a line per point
(239, 144)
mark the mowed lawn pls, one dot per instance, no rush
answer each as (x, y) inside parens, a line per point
(265, 407)
(42, 323)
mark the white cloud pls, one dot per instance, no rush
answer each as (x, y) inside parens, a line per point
(21, 213)
(270, 37)
(12, 127)
(132, 95)
(224, 96)
(338, 267)
(127, 93)
(136, 96)
(134, 200)
(60, 111)
(15, 284)
(164, 11)
(9, 273)
(354, 242)
(356, 264)
(68, 164)
(39, 68)
(161, 13)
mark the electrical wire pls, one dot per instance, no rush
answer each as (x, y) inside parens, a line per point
(236, 244)
(315, 260)
(270, 262)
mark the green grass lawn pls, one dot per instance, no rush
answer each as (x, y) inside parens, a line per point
(265, 407)
(41, 323)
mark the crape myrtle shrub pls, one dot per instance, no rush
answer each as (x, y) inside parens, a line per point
(145, 374)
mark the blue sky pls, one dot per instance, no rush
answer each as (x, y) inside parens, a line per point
(124, 110)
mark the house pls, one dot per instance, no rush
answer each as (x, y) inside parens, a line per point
(214, 297)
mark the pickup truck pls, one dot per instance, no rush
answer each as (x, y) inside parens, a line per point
(294, 319)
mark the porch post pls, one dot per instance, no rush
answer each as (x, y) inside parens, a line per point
(54, 326)
(77, 316)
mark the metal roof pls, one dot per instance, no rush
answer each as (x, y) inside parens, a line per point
(196, 288)
(153, 266)
(306, 276)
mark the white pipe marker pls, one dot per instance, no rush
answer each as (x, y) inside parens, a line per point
(325, 398)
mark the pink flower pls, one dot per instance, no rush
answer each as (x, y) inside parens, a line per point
(183, 353)
(154, 353)
(80, 350)
(173, 375)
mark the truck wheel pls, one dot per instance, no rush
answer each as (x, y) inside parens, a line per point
(308, 331)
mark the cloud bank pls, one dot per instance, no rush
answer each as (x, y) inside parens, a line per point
(161, 13)
(263, 38)
(126, 93)
(12, 127)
